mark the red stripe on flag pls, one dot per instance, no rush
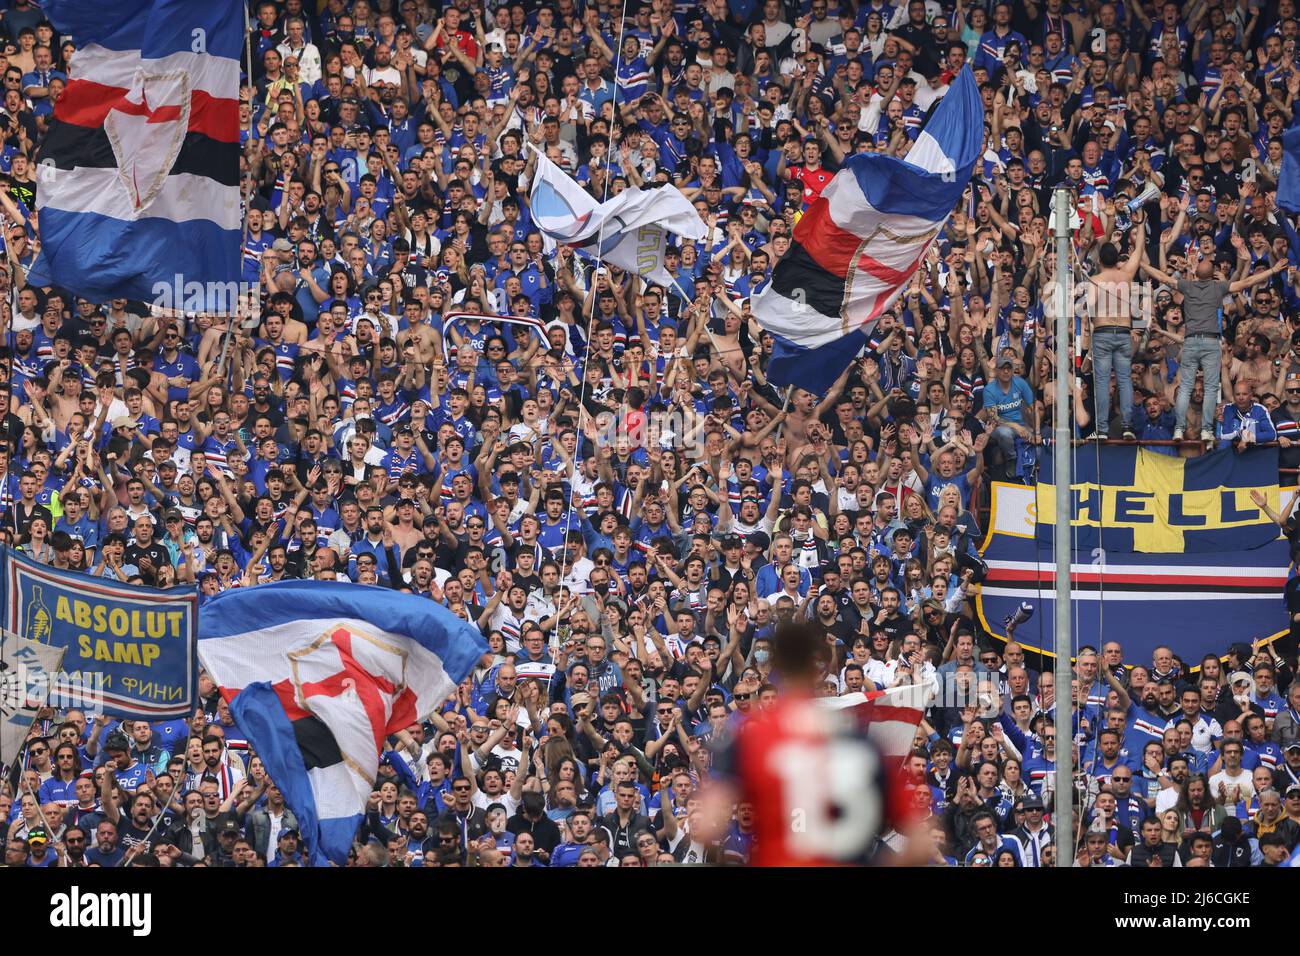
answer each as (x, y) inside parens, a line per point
(1047, 576)
(86, 103)
(288, 700)
(831, 247)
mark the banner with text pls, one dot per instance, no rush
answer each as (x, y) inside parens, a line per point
(1197, 603)
(133, 645)
(1129, 499)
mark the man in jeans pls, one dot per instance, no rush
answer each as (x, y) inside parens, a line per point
(1202, 302)
(1109, 303)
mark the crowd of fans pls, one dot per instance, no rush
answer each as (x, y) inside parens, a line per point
(595, 470)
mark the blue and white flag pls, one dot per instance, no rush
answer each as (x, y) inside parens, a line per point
(859, 244)
(138, 180)
(1288, 178)
(629, 231)
(318, 675)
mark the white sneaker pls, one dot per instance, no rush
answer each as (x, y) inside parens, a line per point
(1207, 436)
(1129, 434)
(1178, 434)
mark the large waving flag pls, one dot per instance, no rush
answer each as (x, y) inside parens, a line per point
(858, 245)
(1288, 179)
(318, 675)
(629, 231)
(138, 177)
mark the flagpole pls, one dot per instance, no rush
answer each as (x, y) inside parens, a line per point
(1064, 798)
(248, 73)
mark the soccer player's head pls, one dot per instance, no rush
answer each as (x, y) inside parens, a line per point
(795, 655)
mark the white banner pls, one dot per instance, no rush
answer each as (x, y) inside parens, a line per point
(628, 231)
(30, 667)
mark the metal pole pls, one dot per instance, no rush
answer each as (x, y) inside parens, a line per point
(1064, 807)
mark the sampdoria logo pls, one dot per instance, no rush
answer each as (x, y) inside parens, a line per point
(78, 910)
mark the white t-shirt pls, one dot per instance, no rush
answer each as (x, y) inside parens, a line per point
(483, 801)
(1241, 779)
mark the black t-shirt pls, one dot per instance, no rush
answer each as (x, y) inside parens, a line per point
(130, 835)
(155, 552)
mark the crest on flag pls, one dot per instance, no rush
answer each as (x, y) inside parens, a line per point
(146, 128)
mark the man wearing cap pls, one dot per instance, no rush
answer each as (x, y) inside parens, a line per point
(1009, 410)
(227, 833)
(1034, 833)
(38, 849)
(1236, 701)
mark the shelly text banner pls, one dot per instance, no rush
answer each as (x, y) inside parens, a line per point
(134, 646)
(1128, 499)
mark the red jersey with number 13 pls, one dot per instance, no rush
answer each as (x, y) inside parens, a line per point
(817, 785)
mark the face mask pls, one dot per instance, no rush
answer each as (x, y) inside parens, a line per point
(762, 656)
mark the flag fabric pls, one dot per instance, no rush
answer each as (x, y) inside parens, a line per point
(1199, 602)
(1292, 241)
(318, 675)
(1129, 499)
(629, 231)
(27, 673)
(860, 242)
(889, 716)
(1288, 179)
(138, 177)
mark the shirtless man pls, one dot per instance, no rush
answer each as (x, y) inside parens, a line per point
(420, 333)
(727, 342)
(804, 409)
(1109, 297)
(1257, 367)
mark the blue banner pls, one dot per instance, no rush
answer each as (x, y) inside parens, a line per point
(1196, 603)
(129, 650)
(1128, 499)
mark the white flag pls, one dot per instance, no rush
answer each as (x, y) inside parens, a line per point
(30, 668)
(628, 231)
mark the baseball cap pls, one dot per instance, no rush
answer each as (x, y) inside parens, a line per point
(1031, 803)
(37, 835)
(1239, 677)
(228, 825)
(125, 421)
(1006, 362)
(760, 540)
(173, 514)
(282, 245)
